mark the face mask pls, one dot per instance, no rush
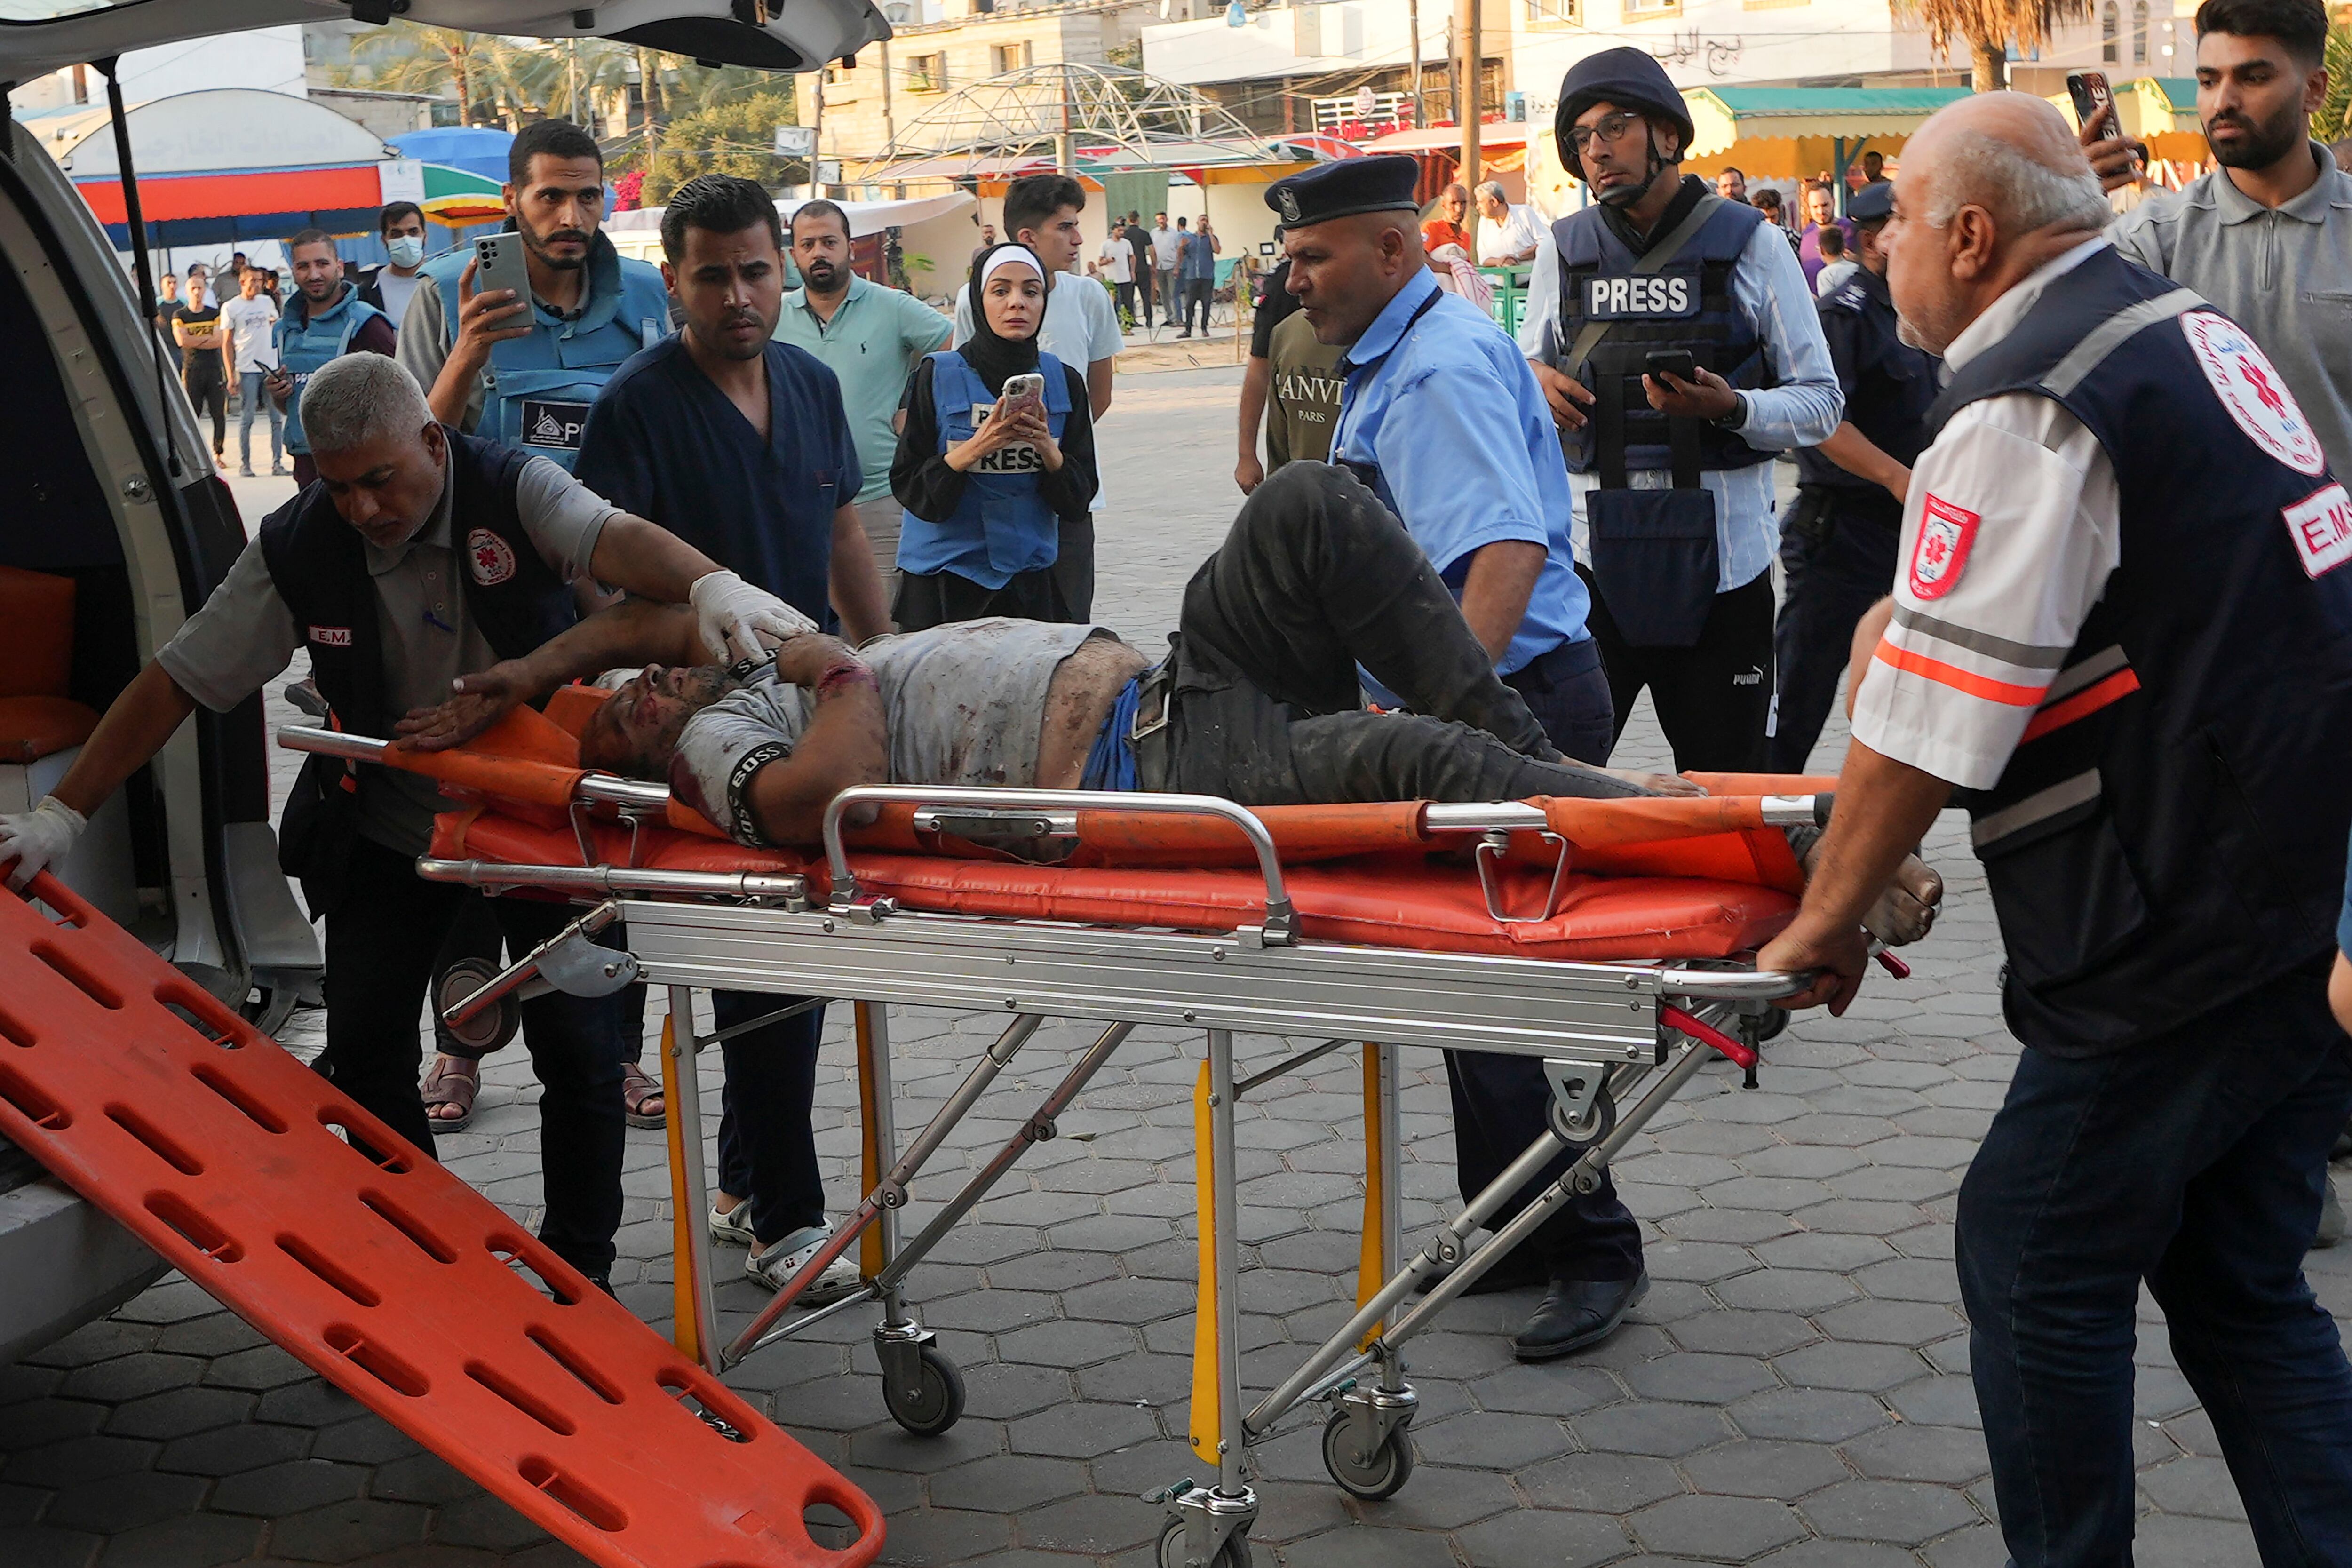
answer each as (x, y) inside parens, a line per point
(406, 249)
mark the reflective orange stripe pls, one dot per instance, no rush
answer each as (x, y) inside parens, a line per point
(1959, 679)
(2088, 701)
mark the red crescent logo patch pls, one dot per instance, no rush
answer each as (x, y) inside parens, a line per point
(489, 558)
(1940, 551)
(2253, 392)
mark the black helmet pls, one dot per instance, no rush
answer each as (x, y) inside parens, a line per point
(1631, 78)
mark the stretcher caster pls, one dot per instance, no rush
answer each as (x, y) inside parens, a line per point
(1373, 1476)
(921, 1388)
(487, 1031)
(1174, 1553)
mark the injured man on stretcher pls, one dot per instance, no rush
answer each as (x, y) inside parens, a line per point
(1260, 703)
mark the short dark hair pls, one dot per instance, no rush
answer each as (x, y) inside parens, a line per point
(1832, 240)
(2300, 24)
(394, 212)
(554, 137)
(308, 236)
(1032, 200)
(820, 207)
(717, 204)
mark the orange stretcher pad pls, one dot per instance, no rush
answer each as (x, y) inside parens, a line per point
(385, 1274)
(1647, 878)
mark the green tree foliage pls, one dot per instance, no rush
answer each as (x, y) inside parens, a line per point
(737, 138)
(2333, 123)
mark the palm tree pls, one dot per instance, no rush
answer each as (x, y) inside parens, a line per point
(1989, 26)
(436, 60)
(2333, 123)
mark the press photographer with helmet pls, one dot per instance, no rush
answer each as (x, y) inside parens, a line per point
(1677, 344)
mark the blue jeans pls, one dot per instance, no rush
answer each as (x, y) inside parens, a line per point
(2195, 1161)
(255, 395)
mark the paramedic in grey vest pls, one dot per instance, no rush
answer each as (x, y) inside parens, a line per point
(1673, 477)
(420, 556)
(524, 371)
(2122, 622)
(325, 320)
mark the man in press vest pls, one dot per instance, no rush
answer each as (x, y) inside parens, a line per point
(325, 320)
(524, 371)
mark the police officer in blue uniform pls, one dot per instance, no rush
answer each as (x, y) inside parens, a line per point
(1676, 341)
(524, 371)
(1441, 416)
(1837, 549)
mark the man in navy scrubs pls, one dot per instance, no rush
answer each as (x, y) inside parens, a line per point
(741, 443)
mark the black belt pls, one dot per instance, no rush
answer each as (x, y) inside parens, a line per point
(1155, 705)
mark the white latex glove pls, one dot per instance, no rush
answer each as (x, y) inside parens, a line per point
(38, 838)
(730, 613)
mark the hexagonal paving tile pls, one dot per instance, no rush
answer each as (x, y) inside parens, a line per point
(1723, 1529)
(1765, 1470)
(1908, 1513)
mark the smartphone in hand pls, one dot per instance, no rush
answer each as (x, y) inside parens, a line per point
(1675, 362)
(2091, 93)
(499, 264)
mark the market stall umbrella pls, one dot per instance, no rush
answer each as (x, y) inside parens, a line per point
(456, 199)
(474, 148)
(1796, 132)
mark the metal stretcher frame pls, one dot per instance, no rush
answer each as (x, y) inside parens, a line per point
(1603, 1031)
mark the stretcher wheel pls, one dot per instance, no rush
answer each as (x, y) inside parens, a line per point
(485, 1032)
(1381, 1474)
(939, 1403)
(1233, 1554)
(1595, 1124)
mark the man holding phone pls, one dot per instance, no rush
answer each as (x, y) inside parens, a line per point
(518, 354)
(1677, 343)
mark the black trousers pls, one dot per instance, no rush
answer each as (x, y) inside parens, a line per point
(1316, 578)
(1125, 297)
(1837, 559)
(381, 944)
(1073, 570)
(1713, 697)
(767, 1143)
(927, 599)
(207, 386)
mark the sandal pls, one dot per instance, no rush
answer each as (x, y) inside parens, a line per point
(639, 1088)
(452, 1081)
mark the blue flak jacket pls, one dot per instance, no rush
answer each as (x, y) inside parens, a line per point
(1003, 527)
(537, 390)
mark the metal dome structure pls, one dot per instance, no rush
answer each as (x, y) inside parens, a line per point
(1074, 113)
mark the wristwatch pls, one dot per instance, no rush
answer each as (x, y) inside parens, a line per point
(1738, 415)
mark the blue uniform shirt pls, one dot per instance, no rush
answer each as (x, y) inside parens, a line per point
(1448, 412)
(664, 443)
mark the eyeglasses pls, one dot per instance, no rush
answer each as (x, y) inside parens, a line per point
(1612, 127)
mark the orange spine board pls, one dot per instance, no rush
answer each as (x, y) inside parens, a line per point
(386, 1275)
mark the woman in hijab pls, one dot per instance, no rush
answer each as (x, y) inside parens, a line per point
(987, 479)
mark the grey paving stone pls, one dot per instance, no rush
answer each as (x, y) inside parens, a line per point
(2178, 1541)
(1908, 1513)
(479, 1520)
(1096, 1523)
(1546, 1389)
(1601, 1482)
(1007, 1483)
(1866, 1368)
(1545, 1540)
(1699, 1378)
(1937, 1402)
(1668, 1431)
(1081, 1431)
(2194, 1484)
(1890, 1322)
(1808, 1415)
(77, 1459)
(420, 1477)
(129, 1377)
(1767, 1470)
(1493, 1440)
(1732, 1530)
(48, 1546)
(277, 1490)
(178, 1412)
(1950, 1455)
(191, 1541)
(235, 1448)
(1802, 1290)
(1440, 1497)
(38, 1422)
(121, 1503)
(1743, 1333)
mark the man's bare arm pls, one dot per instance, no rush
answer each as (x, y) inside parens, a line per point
(1249, 473)
(1098, 380)
(1494, 594)
(633, 632)
(856, 584)
(1883, 807)
(134, 729)
(1858, 455)
(844, 744)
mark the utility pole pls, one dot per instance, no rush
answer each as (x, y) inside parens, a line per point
(571, 82)
(1065, 160)
(816, 134)
(1412, 25)
(1466, 85)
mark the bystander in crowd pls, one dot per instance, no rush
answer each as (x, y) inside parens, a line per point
(252, 322)
(203, 359)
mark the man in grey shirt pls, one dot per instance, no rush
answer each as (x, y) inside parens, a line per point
(2267, 235)
(419, 558)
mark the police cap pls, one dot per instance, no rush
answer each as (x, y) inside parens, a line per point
(1874, 203)
(1342, 189)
